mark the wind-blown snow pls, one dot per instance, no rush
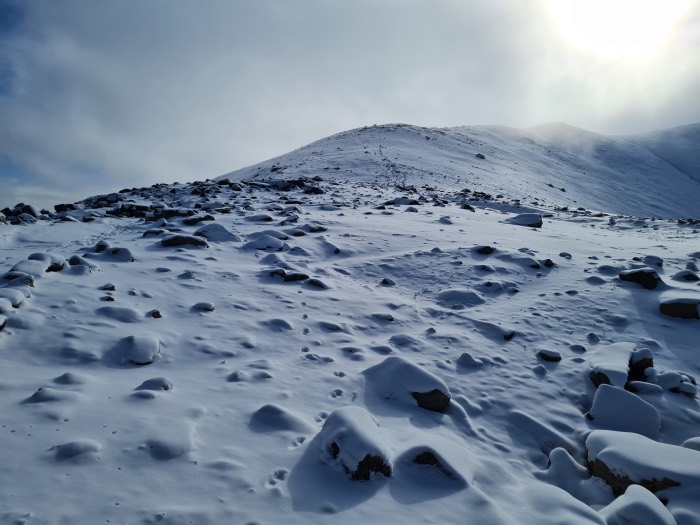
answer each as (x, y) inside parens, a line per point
(312, 346)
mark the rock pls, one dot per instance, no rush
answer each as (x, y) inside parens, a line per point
(352, 443)
(640, 360)
(30, 267)
(265, 242)
(466, 360)
(204, 306)
(71, 378)
(459, 298)
(196, 219)
(637, 506)
(680, 306)
(617, 409)
(645, 277)
(112, 254)
(260, 217)
(398, 379)
(64, 207)
(610, 364)
(101, 246)
(14, 296)
(156, 383)
(623, 458)
(687, 276)
(271, 418)
(653, 260)
(17, 279)
(49, 395)
(83, 448)
(137, 350)
(549, 355)
(531, 220)
(77, 260)
(183, 240)
(288, 276)
(173, 446)
(432, 468)
(317, 283)
(216, 233)
(120, 255)
(484, 250)
(54, 262)
(121, 314)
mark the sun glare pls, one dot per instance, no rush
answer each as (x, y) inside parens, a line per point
(611, 29)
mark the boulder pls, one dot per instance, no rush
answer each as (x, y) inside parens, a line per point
(271, 418)
(551, 356)
(156, 383)
(531, 220)
(54, 262)
(622, 459)
(617, 409)
(137, 350)
(645, 277)
(183, 240)
(638, 506)
(680, 306)
(459, 298)
(398, 379)
(216, 233)
(687, 276)
(610, 364)
(352, 443)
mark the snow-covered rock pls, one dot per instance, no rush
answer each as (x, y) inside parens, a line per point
(352, 442)
(398, 379)
(617, 409)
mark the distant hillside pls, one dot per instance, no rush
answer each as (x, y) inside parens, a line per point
(656, 174)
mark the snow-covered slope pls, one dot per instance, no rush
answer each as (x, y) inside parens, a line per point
(655, 175)
(342, 352)
(680, 147)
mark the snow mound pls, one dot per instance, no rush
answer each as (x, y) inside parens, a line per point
(398, 379)
(352, 442)
(639, 506)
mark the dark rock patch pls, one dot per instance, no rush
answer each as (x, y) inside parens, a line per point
(434, 400)
(183, 240)
(645, 277)
(681, 308)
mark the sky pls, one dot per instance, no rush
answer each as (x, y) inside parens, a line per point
(97, 95)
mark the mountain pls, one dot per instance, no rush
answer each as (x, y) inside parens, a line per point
(654, 175)
(375, 343)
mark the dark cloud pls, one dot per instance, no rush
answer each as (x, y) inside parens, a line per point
(99, 95)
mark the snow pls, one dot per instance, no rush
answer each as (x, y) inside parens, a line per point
(637, 505)
(616, 409)
(205, 379)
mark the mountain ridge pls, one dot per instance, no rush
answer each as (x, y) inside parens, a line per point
(553, 163)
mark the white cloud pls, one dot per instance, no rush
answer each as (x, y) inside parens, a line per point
(114, 94)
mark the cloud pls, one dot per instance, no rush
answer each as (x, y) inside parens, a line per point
(96, 96)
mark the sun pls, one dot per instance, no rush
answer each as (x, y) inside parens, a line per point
(618, 29)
